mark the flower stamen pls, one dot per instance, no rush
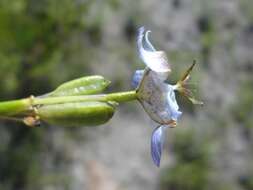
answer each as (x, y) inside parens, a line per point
(185, 88)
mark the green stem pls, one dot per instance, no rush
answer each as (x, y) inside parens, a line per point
(117, 97)
(22, 106)
(14, 107)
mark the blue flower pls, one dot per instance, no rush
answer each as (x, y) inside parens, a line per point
(155, 95)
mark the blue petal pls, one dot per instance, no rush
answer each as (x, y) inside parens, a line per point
(172, 106)
(137, 78)
(175, 115)
(157, 142)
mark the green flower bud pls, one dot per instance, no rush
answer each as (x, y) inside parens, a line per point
(81, 86)
(77, 114)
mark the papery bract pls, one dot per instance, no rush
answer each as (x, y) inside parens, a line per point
(158, 99)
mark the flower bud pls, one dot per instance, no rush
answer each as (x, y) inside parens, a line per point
(77, 113)
(81, 86)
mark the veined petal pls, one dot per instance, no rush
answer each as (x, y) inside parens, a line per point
(155, 60)
(137, 78)
(157, 143)
(158, 99)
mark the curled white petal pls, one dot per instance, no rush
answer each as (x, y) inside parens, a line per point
(155, 60)
(149, 46)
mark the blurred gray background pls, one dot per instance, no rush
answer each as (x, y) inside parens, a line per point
(44, 43)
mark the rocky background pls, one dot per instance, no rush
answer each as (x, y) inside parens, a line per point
(44, 43)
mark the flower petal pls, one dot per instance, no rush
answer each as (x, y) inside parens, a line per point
(137, 78)
(157, 142)
(172, 106)
(158, 99)
(156, 60)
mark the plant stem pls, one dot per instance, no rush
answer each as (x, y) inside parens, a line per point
(14, 107)
(117, 97)
(24, 106)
